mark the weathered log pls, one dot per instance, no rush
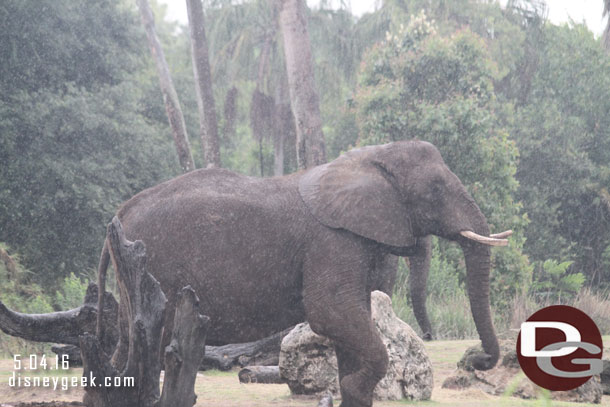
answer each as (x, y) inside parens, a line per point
(184, 353)
(265, 352)
(145, 304)
(260, 374)
(64, 326)
(146, 307)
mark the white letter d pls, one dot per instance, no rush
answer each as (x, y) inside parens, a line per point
(528, 338)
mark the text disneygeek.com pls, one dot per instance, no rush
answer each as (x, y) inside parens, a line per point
(36, 364)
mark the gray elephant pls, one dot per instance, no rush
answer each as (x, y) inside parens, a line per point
(265, 254)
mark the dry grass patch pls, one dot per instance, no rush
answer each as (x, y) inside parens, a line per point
(222, 389)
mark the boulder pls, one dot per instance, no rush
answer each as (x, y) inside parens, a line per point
(605, 377)
(309, 365)
(507, 376)
(409, 374)
(308, 362)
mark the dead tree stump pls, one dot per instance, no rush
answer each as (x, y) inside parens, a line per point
(185, 352)
(145, 303)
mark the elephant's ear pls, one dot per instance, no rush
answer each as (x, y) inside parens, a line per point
(354, 193)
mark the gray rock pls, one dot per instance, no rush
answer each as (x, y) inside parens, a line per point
(308, 362)
(309, 365)
(409, 372)
(605, 377)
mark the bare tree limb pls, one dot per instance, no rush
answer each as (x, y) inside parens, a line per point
(170, 97)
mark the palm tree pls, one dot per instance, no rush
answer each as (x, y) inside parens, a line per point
(170, 97)
(311, 150)
(203, 84)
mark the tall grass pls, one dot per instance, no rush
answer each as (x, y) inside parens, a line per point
(451, 318)
(449, 308)
(595, 304)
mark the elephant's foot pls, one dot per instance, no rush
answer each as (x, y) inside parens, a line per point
(357, 390)
(427, 336)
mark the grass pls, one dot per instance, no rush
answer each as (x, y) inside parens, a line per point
(216, 388)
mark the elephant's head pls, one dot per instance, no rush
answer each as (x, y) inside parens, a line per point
(397, 192)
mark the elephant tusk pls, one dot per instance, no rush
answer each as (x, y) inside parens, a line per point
(502, 235)
(484, 239)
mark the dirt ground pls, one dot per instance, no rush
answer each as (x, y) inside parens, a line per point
(223, 389)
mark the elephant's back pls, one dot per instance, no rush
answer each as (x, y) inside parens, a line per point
(237, 240)
(206, 185)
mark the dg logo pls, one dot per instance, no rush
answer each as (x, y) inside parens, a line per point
(559, 348)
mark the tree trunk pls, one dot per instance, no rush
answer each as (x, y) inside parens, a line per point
(283, 123)
(261, 106)
(230, 113)
(170, 97)
(203, 84)
(278, 154)
(303, 96)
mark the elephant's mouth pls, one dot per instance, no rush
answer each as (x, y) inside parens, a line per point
(497, 239)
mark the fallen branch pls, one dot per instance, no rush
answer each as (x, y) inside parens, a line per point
(260, 374)
(64, 326)
(265, 352)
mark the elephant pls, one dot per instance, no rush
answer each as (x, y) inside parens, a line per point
(264, 254)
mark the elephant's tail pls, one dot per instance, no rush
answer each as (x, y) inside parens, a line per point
(101, 288)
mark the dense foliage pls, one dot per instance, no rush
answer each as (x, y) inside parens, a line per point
(517, 106)
(74, 139)
(562, 128)
(417, 84)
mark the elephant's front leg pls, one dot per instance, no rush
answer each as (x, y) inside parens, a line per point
(419, 267)
(337, 304)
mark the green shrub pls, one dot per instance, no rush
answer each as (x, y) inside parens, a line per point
(18, 293)
(71, 292)
(553, 282)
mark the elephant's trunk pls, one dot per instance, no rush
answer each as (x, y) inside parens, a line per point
(478, 266)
